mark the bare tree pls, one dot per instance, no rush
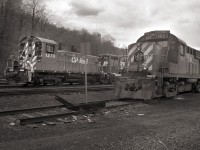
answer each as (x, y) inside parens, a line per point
(108, 39)
(4, 6)
(37, 10)
(22, 19)
(7, 15)
(44, 20)
(7, 28)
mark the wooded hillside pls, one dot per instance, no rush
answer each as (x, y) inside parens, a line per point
(19, 18)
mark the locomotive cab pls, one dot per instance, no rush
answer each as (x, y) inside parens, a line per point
(110, 66)
(31, 51)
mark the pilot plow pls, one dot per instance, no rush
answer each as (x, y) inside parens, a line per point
(137, 88)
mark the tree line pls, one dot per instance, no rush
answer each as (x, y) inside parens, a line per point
(19, 18)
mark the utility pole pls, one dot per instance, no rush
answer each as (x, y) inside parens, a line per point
(86, 91)
(85, 48)
(126, 49)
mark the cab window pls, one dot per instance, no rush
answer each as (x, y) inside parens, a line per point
(50, 48)
(181, 49)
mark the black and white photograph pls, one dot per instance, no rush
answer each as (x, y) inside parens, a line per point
(99, 75)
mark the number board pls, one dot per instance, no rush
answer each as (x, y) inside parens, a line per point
(155, 35)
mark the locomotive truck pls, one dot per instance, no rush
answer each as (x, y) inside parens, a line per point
(41, 62)
(159, 64)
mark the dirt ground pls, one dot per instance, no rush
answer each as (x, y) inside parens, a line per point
(164, 124)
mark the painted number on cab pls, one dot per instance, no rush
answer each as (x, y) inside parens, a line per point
(50, 55)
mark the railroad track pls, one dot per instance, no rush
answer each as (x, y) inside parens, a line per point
(51, 89)
(52, 114)
(5, 84)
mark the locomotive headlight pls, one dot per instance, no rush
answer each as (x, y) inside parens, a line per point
(138, 46)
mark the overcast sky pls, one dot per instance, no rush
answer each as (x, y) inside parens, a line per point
(127, 20)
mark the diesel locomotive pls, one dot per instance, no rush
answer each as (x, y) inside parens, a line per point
(159, 64)
(39, 61)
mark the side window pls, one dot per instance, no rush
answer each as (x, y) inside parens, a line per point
(181, 49)
(21, 46)
(38, 48)
(188, 49)
(194, 52)
(50, 48)
(185, 49)
(191, 51)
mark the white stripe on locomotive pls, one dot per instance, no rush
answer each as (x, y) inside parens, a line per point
(132, 50)
(148, 60)
(26, 49)
(150, 68)
(143, 46)
(132, 59)
(33, 49)
(149, 49)
(33, 45)
(34, 58)
(148, 57)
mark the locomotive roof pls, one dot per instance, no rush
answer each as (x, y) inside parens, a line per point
(110, 55)
(153, 35)
(67, 51)
(46, 40)
(64, 51)
(39, 38)
(181, 41)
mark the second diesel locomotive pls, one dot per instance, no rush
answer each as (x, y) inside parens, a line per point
(41, 62)
(159, 64)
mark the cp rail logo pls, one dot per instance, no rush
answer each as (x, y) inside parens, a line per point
(139, 56)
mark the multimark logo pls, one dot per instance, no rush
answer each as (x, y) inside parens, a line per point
(139, 56)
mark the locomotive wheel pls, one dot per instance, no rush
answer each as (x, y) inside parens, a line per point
(25, 84)
(52, 82)
(111, 81)
(45, 82)
(197, 88)
(58, 82)
(12, 82)
(36, 82)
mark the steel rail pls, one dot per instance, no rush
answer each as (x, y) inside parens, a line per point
(26, 110)
(19, 111)
(48, 86)
(39, 119)
(9, 92)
